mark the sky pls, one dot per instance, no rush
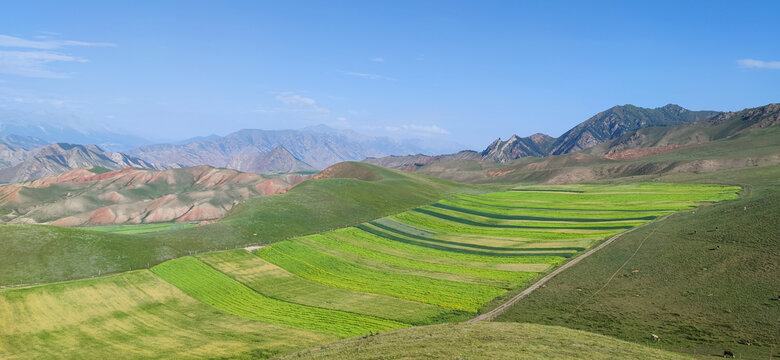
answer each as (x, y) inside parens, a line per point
(468, 72)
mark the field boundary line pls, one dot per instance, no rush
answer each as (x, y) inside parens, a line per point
(499, 309)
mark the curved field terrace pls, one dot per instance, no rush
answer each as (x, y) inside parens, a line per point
(437, 263)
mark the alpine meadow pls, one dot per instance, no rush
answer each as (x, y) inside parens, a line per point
(389, 180)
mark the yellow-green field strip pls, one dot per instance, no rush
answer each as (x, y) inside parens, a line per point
(436, 263)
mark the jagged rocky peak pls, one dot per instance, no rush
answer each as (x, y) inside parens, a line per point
(540, 138)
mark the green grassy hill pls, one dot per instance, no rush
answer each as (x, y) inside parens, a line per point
(129, 316)
(432, 264)
(704, 281)
(38, 253)
(485, 341)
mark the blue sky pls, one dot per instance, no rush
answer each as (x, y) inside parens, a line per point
(463, 71)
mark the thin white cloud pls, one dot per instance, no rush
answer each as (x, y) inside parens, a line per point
(369, 76)
(293, 103)
(758, 64)
(47, 44)
(30, 57)
(33, 63)
(378, 59)
(289, 98)
(419, 130)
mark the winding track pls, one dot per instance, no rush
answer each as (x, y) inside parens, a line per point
(492, 313)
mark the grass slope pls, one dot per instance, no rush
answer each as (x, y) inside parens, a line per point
(485, 341)
(220, 291)
(39, 253)
(440, 273)
(132, 315)
(275, 282)
(699, 298)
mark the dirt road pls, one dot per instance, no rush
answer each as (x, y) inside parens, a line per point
(492, 313)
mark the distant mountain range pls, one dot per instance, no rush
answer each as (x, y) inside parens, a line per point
(317, 147)
(278, 160)
(314, 148)
(61, 157)
(606, 125)
(50, 129)
(24, 158)
(722, 126)
(731, 140)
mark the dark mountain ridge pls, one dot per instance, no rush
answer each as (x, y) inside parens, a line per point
(619, 120)
(604, 126)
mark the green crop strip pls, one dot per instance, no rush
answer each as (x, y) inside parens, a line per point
(431, 223)
(511, 226)
(220, 291)
(494, 215)
(513, 278)
(447, 245)
(331, 271)
(275, 282)
(392, 241)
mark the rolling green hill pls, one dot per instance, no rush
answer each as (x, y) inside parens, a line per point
(704, 281)
(431, 264)
(39, 253)
(485, 341)
(132, 315)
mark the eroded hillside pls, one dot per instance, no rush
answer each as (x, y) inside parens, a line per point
(134, 196)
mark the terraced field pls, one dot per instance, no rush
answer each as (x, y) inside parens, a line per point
(457, 254)
(437, 263)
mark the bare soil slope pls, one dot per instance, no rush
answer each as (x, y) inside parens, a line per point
(134, 196)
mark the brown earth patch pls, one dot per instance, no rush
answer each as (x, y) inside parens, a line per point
(633, 154)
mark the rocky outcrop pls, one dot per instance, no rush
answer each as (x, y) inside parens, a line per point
(537, 145)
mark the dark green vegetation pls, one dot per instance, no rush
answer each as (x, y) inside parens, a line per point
(38, 253)
(485, 341)
(703, 280)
